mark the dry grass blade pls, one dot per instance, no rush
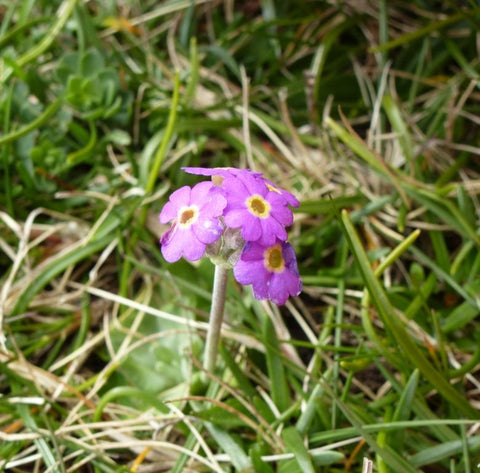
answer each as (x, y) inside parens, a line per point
(367, 466)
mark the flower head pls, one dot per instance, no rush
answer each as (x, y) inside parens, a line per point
(272, 271)
(239, 220)
(261, 214)
(195, 213)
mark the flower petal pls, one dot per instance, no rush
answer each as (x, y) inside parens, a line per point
(177, 242)
(247, 272)
(235, 190)
(168, 213)
(282, 286)
(207, 230)
(252, 251)
(171, 251)
(254, 185)
(235, 218)
(202, 171)
(200, 192)
(290, 259)
(224, 172)
(214, 205)
(271, 230)
(279, 209)
(252, 228)
(288, 197)
(181, 196)
(194, 249)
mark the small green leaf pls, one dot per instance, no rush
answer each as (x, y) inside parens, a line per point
(91, 63)
(223, 417)
(230, 446)
(444, 451)
(119, 137)
(294, 444)
(459, 317)
(225, 58)
(258, 464)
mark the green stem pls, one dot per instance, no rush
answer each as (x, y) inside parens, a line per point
(76, 156)
(162, 150)
(216, 317)
(6, 151)
(63, 13)
(152, 177)
(40, 120)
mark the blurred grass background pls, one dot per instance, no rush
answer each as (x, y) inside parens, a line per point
(368, 111)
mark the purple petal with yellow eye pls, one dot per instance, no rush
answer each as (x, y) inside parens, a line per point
(195, 213)
(272, 271)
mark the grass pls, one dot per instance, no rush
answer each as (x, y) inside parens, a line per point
(367, 111)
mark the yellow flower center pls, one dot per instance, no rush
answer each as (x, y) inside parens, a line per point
(273, 259)
(187, 216)
(273, 189)
(218, 180)
(258, 206)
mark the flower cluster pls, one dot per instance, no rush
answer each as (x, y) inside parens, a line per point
(239, 219)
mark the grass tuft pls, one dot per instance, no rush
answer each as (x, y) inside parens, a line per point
(367, 111)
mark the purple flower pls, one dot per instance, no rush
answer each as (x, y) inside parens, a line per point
(251, 214)
(195, 213)
(272, 271)
(261, 214)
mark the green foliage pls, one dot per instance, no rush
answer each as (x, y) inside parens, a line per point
(90, 86)
(372, 124)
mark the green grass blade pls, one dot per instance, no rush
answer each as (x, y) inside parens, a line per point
(162, 150)
(128, 391)
(403, 339)
(294, 443)
(404, 408)
(258, 464)
(242, 380)
(275, 366)
(48, 455)
(55, 268)
(443, 451)
(65, 11)
(395, 461)
(39, 121)
(399, 126)
(459, 317)
(404, 405)
(230, 446)
(445, 210)
(430, 28)
(359, 147)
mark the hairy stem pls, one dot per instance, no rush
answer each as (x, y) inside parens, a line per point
(216, 317)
